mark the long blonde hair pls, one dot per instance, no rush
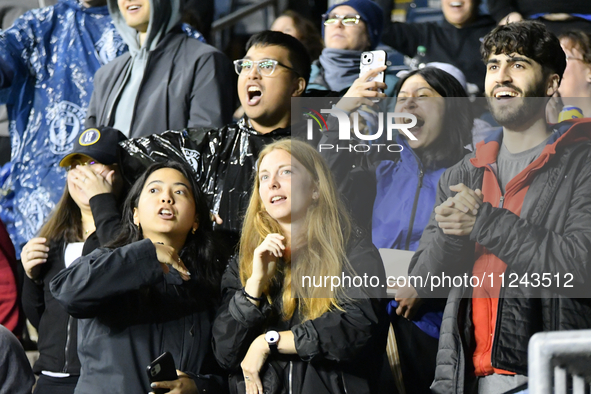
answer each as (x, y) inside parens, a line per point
(328, 229)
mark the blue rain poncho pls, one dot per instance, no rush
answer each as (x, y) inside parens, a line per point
(47, 62)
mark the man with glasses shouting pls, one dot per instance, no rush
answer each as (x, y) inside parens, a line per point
(275, 68)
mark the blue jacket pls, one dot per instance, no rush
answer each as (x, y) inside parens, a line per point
(405, 194)
(47, 62)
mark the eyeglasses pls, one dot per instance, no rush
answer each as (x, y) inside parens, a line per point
(265, 67)
(346, 20)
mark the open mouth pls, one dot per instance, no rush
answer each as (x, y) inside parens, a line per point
(134, 7)
(420, 122)
(276, 199)
(165, 213)
(456, 4)
(505, 94)
(254, 95)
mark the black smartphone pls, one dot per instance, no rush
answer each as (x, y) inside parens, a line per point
(162, 369)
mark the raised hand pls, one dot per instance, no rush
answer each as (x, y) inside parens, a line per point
(34, 254)
(95, 179)
(264, 262)
(361, 91)
(167, 256)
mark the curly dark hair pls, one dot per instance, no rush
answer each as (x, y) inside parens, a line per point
(528, 38)
(458, 120)
(203, 253)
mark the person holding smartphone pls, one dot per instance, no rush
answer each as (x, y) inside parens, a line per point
(388, 194)
(153, 289)
(350, 28)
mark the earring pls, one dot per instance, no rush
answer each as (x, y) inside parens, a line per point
(193, 231)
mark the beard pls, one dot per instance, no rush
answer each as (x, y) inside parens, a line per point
(519, 111)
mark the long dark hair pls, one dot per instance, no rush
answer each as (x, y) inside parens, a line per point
(65, 222)
(203, 254)
(456, 131)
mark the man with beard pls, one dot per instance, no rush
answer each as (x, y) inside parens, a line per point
(518, 207)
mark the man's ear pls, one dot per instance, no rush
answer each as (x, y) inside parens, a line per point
(300, 87)
(553, 84)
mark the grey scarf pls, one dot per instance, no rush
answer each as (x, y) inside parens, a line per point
(341, 67)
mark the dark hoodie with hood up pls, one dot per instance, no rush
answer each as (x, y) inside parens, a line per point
(172, 81)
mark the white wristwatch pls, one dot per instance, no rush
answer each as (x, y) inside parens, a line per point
(272, 338)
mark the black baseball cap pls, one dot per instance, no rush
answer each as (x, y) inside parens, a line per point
(101, 144)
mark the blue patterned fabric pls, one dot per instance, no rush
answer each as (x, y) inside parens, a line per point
(47, 62)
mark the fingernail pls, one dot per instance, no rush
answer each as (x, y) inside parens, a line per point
(153, 385)
(474, 212)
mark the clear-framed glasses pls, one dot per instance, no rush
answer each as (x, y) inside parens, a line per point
(265, 67)
(346, 20)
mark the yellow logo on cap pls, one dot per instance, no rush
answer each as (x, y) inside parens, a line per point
(89, 137)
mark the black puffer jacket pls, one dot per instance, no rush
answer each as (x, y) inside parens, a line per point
(552, 235)
(339, 352)
(58, 330)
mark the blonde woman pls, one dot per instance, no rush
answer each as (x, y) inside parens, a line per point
(275, 331)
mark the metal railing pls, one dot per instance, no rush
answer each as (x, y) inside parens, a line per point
(230, 20)
(556, 359)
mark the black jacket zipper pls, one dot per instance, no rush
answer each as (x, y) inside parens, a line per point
(67, 347)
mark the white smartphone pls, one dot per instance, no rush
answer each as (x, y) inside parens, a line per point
(371, 60)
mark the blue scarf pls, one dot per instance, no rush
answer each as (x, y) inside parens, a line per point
(341, 67)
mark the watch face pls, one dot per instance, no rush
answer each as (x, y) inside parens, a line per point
(272, 337)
